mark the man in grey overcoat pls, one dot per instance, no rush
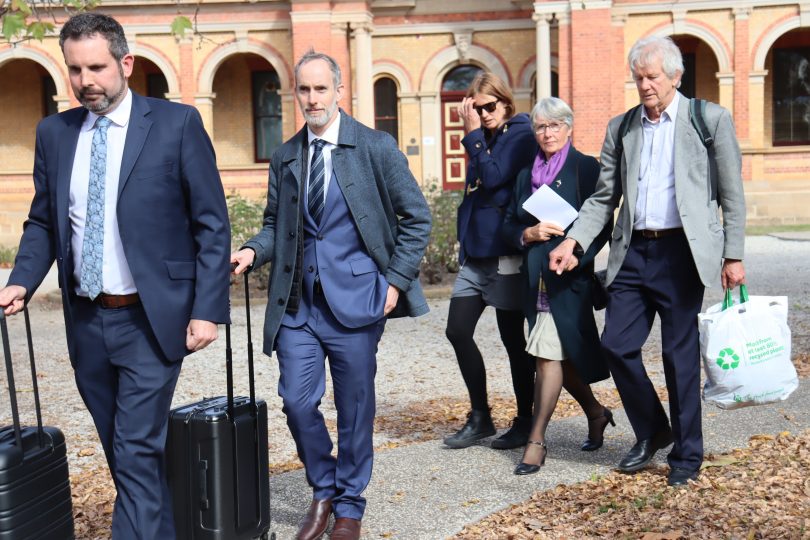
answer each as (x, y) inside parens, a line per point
(668, 244)
(345, 229)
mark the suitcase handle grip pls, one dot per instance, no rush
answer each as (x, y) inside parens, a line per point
(203, 479)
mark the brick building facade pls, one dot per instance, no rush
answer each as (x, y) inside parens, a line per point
(406, 64)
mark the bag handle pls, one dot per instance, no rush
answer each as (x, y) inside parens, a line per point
(253, 408)
(12, 388)
(229, 359)
(728, 299)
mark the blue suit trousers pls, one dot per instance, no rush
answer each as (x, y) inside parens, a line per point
(301, 352)
(127, 385)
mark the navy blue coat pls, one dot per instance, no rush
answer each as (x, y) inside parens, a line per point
(172, 218)
(570, 293)
(491, 172)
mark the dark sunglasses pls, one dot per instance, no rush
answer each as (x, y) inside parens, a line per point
(489, 107)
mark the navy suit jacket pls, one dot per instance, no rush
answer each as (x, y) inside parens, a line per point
(172, 218)
(334, 253)
(385, 203)
(491, 171)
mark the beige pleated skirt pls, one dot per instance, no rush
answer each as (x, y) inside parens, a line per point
(544, 341)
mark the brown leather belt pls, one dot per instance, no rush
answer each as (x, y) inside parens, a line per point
(651, 234)
(115, 301)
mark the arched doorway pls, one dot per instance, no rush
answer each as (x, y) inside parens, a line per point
(147, 79)
(454, 88)
(247, 110)
(27, 93)
(700, 69)
(787, 90)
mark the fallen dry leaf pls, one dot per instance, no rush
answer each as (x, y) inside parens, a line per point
(721, 461)
(761, 492)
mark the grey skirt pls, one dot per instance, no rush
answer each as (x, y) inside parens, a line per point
(496, 279)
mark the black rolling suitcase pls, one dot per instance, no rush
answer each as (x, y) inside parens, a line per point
(217, 462)
(35, 498)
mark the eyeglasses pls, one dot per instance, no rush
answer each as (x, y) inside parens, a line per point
(489, 107)
(553, 128)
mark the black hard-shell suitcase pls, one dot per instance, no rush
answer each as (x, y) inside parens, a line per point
(217, 461)
(35, 500)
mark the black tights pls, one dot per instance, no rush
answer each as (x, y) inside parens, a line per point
(464, 314)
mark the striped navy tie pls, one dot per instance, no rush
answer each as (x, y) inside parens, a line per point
(315, 193)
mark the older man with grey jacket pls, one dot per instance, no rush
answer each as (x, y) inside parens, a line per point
(668, 244)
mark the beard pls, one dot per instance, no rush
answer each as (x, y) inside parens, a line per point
(101, 105)
(106, 101)
(322, 120)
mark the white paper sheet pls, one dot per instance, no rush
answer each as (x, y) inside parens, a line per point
(546, 205)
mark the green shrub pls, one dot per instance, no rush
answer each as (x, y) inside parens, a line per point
(246, 220)
(7, 256)
(441, 255)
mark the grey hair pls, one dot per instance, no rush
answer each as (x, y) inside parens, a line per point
(311, 55)
(85, 25)
(553, 108)
(646, 49)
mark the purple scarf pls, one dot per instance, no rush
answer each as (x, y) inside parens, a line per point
(543, 172)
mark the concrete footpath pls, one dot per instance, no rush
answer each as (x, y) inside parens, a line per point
(427, 491)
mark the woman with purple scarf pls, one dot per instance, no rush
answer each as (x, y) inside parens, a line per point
(563, 336)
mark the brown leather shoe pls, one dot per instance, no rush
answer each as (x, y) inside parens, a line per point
(314, 523)
(346, 529)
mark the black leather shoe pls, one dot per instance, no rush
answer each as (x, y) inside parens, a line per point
(679, 477)
(479, 426)
(595, 443)
(643, 451)
(516, 436)
(530, 468)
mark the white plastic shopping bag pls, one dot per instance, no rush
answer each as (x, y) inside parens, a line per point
(746, 351)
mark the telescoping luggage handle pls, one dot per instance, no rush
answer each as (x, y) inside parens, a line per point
(229, 359)
(12, 389)
(254, 412)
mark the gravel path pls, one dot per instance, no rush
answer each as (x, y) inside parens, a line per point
(415, 363)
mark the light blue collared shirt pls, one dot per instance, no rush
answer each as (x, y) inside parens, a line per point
(656, 207)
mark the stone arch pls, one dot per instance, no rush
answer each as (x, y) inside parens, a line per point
(769, 38)
(164, 65)
(205, 82)
(448, 58)
(389, 68)
(43, 59)
(530, 68)
(715, 42)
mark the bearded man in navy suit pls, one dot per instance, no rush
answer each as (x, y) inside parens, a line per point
(345, 228)
(129, 203)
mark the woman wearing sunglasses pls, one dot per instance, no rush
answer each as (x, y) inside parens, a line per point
(499, 143)
(563, 337)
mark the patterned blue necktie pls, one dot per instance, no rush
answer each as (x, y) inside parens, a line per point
(315, 198)
(93, 244)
